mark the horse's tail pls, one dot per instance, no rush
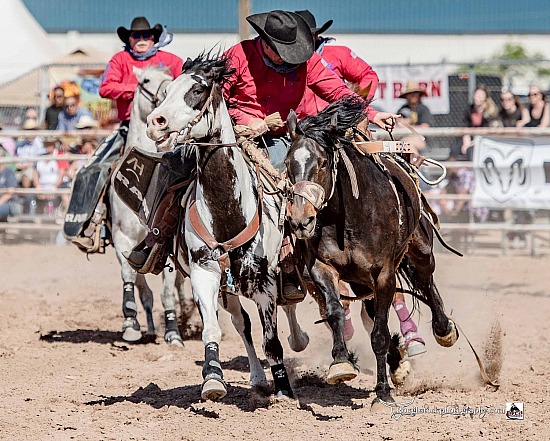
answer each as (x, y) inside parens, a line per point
(409, 282)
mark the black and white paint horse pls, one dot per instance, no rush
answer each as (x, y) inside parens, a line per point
(128, 232)
(232, 235)
(360, 238)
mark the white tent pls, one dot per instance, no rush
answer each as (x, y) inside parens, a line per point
(26, 44)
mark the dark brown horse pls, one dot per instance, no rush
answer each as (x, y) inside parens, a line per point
(364, 239)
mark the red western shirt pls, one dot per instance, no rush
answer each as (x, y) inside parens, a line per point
(348, 66)
(255, 90)
(119, 82)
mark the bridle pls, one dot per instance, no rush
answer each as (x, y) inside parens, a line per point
(153, 98)
(315, 193)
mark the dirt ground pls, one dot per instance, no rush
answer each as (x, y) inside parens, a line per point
(66, 374)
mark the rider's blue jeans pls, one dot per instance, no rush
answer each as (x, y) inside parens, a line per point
(277, 148)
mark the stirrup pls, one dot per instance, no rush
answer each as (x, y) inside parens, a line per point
(151, 264)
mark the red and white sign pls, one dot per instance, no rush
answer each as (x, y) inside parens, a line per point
(433, 79)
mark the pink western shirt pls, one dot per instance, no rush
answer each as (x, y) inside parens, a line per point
(119, 82)
(347, 66)
(255, 90)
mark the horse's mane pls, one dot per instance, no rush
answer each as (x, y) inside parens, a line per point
(349, 111)
(208, 62)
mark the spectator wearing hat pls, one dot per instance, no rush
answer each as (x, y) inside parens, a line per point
(52, 112)
(415, 113)
(142, 45)
(71, 114)
(342, 61)
(9, 203)
(26, 147)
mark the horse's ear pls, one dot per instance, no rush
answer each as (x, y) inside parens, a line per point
(137, 71)
(187, 65)
(291, 123)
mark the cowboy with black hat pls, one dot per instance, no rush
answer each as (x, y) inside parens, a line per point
(342, 61)
(272, 72)
(142, 43)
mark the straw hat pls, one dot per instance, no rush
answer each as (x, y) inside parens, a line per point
(86, 122)
(30, 124)
(412, 87)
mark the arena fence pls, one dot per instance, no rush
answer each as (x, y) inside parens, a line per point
(468, 234)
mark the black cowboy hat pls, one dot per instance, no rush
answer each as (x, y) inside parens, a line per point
(310, 20)
(139, 24)
(287, 33)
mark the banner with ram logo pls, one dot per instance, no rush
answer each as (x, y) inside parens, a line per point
(512, 173)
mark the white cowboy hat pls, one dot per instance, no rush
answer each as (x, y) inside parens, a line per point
(86, 122)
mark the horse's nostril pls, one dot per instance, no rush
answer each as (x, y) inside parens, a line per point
(308, 221)
(159, 121)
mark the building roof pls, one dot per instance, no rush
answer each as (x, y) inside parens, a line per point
(352, 16)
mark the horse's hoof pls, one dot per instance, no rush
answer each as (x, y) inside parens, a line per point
(450, 339)
(378, 407)
(173, 339)
(298, 344)
(213, 390)
(340, 372)
(130, 330)
(402, 373)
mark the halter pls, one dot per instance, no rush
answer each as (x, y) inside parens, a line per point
(186, 131)
(153, 98)
(315, 193)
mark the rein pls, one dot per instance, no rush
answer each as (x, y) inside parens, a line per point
(153, 98)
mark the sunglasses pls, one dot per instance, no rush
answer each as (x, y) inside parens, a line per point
(534, 94)
(70, 105)
(506, 99)
(137, 35)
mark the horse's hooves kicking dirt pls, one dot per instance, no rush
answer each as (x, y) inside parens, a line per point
(213, 390)
(341, 372)
(402, 373)
(450, 339)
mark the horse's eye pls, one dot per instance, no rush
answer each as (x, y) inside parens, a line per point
(198, 92)
(146, 80)
(323, 164)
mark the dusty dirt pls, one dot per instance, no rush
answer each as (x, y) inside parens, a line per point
(66, 374)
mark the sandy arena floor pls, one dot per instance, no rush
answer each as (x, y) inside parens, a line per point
(85, 383)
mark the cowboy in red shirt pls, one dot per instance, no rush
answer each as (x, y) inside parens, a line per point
(339, 59)
(272, 74)
(142, 44)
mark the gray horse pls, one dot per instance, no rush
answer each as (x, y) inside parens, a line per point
(127, 230)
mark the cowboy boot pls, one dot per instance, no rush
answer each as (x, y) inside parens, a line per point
(291, 287)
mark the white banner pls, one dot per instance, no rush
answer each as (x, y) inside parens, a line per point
(512, 173)
(393, 80)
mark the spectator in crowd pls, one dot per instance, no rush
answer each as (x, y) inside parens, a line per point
(142, 45)
(87, 148)
(539, 109)
(31, 113)
(342, 61)
(52, 112)
(28, 147)
(9, 203)
(512, 114)
(8, 143)
(50, 173)
(71, 114)
(483, 112)
(415, 113)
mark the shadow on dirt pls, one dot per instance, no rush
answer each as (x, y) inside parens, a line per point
(309, 389)
(91, 336)
(239, 364)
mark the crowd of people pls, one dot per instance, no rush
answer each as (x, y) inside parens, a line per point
(65, 114)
